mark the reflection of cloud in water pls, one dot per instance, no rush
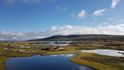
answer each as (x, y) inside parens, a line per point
(115, 53)
(84, 68)
(66, 55)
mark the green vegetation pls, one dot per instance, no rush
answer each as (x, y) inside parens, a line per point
(2, 62)
(29, 48)
(99, 62)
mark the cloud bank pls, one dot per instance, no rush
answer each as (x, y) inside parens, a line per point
(64, 30)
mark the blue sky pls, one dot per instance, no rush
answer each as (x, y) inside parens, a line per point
(39, 16)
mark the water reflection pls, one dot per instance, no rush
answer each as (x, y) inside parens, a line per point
(60, 62)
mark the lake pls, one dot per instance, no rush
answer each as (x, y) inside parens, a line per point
(53, 43)
(49, 62)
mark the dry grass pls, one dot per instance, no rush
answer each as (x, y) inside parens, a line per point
(97, 62)
(1, 67)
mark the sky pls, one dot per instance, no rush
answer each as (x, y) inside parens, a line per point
(30, 19)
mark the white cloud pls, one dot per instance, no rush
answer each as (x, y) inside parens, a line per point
(19, 35)
(109, 29)
(116, 29)
(99, 12)
(114, 3)
(82, 14)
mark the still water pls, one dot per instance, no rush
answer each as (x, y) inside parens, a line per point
(50, 62)
(114, 53)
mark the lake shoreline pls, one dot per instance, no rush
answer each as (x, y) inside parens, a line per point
(76, 54)
(99, 62)
(49, 58)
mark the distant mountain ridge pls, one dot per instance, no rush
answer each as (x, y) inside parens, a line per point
(86, 37)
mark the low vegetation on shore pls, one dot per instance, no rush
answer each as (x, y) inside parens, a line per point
(20, 49)
(99, 62)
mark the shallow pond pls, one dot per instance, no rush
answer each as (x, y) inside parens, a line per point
(50, 62)
(115, 53)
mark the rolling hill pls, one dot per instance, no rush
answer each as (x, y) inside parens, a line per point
(86, 37)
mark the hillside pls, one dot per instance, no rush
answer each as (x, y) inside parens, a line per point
(86, 37)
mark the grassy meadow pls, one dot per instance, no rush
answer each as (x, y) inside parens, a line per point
(97, 62)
